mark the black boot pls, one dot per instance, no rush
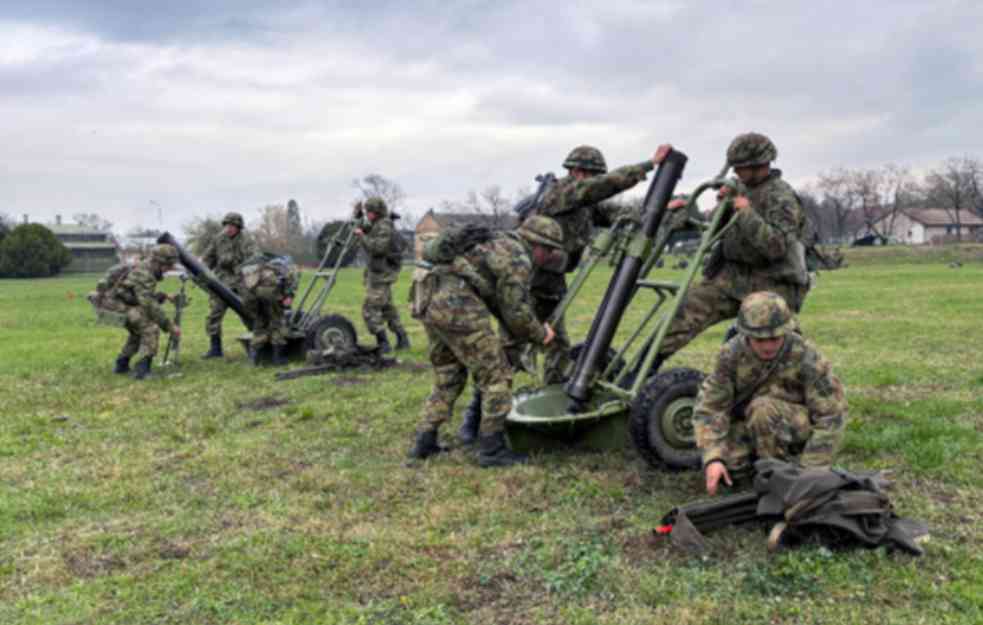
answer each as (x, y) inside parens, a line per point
(142, 368)
(468, 434)
(495, 452)
(279, 355)
(215, 351)
(122, 364)
(402, 341)
(383, 342)
(425, 445)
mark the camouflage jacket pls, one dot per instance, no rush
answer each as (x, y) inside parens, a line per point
(499, 271)
(800, 376)
(224, 254)
(377, 243)
(574, 204)
(139, 288)
(761, 237)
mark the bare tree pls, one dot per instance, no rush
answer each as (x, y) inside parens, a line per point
(490, 202)
(377, 185)
(92, 220)
(837, 199)
(200, 231)
(951, 188)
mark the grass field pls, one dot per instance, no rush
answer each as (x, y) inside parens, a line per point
(213, 494)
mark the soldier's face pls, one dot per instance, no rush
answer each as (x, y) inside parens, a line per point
(580, 174)
(371, 216)
(231, 230)
(752, 174)
(549, 258)
(766, 349)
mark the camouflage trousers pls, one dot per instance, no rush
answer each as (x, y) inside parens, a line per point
(378, 309)
(771, 428)
(144, 334)
(547, 291)
(462, 341)
(268, 324)
(712, 301)
(216, 312)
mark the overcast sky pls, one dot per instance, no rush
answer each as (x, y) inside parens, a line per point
(119, 106)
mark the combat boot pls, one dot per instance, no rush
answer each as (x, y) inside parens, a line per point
(495, 452)
(402, 340)
(142, 368)
(215, 351)
(383, 342)
(279, 355)
(468, 433)
(122, 364)
(425, 445)
(253, 355)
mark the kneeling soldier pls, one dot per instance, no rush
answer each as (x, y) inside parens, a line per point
(129, 296)
(771, 395)
(457, 302)
(268, 286)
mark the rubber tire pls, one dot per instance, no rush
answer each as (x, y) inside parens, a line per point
(335, 324)
(659, 392)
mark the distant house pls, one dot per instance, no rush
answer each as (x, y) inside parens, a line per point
(933, 225)
(93, 251)
(432, 223)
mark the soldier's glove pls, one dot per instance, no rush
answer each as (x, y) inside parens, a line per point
(160, 297)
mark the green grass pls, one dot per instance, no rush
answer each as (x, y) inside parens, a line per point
(178, 501)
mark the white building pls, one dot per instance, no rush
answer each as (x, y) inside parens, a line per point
(932, 225)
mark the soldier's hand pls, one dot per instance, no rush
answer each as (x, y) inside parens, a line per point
(550, 334)
(176, 330)
(661, 153)
(714, 472)
(742, 203)
(676, 204)
(359, 232)
(287, 301)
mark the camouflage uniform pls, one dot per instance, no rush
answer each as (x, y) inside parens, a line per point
(223, 256)
(755, 252)
(266, 281)
(380, 274)
(791, 406)
(574, 204)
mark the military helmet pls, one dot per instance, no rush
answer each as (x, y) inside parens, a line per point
(376, 205)
(764, 315)
(588, 158)
(542, 230)
(235, 219)
(165, 254)
(751, 149)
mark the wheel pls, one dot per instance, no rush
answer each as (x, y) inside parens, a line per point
(332, 331)
(662, 419)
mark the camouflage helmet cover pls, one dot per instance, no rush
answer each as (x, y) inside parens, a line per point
(764, 315)
(376, 205)
(542, 230)
(588, 158)
(751, 149)
(234, 219)
(165, 254)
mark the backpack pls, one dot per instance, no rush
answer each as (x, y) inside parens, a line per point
(114, 276)
(454, 241)
(397, 246)
(266, 275)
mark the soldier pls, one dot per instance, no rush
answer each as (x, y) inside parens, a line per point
(269, 283)
(229, 249)
(771, 395)
(763, 250)
(134, 300)
(456, 303)
(574, 203)
(379, 239)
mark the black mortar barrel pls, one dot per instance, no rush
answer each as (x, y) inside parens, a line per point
(622, 286)
(207, 280)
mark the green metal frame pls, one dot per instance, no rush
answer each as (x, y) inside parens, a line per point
(548, 406)
(343, 239)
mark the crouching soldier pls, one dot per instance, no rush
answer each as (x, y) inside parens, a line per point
(771, 395)
(128, 297)
(269, 283)
(456, 302)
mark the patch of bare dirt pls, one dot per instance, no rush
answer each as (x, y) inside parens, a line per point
(83, 563)
(262, 403)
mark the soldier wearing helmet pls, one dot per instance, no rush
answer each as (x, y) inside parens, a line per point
(487, 278)
(383, 247)
(771, 395)
(129, 299)
(225, 252)
(762, 250)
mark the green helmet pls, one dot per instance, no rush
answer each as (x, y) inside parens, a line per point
(751, 149)
(165, 254)
(542, 230)
(235, 219)
(376, 205)
(764, 315)
(588, 158)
